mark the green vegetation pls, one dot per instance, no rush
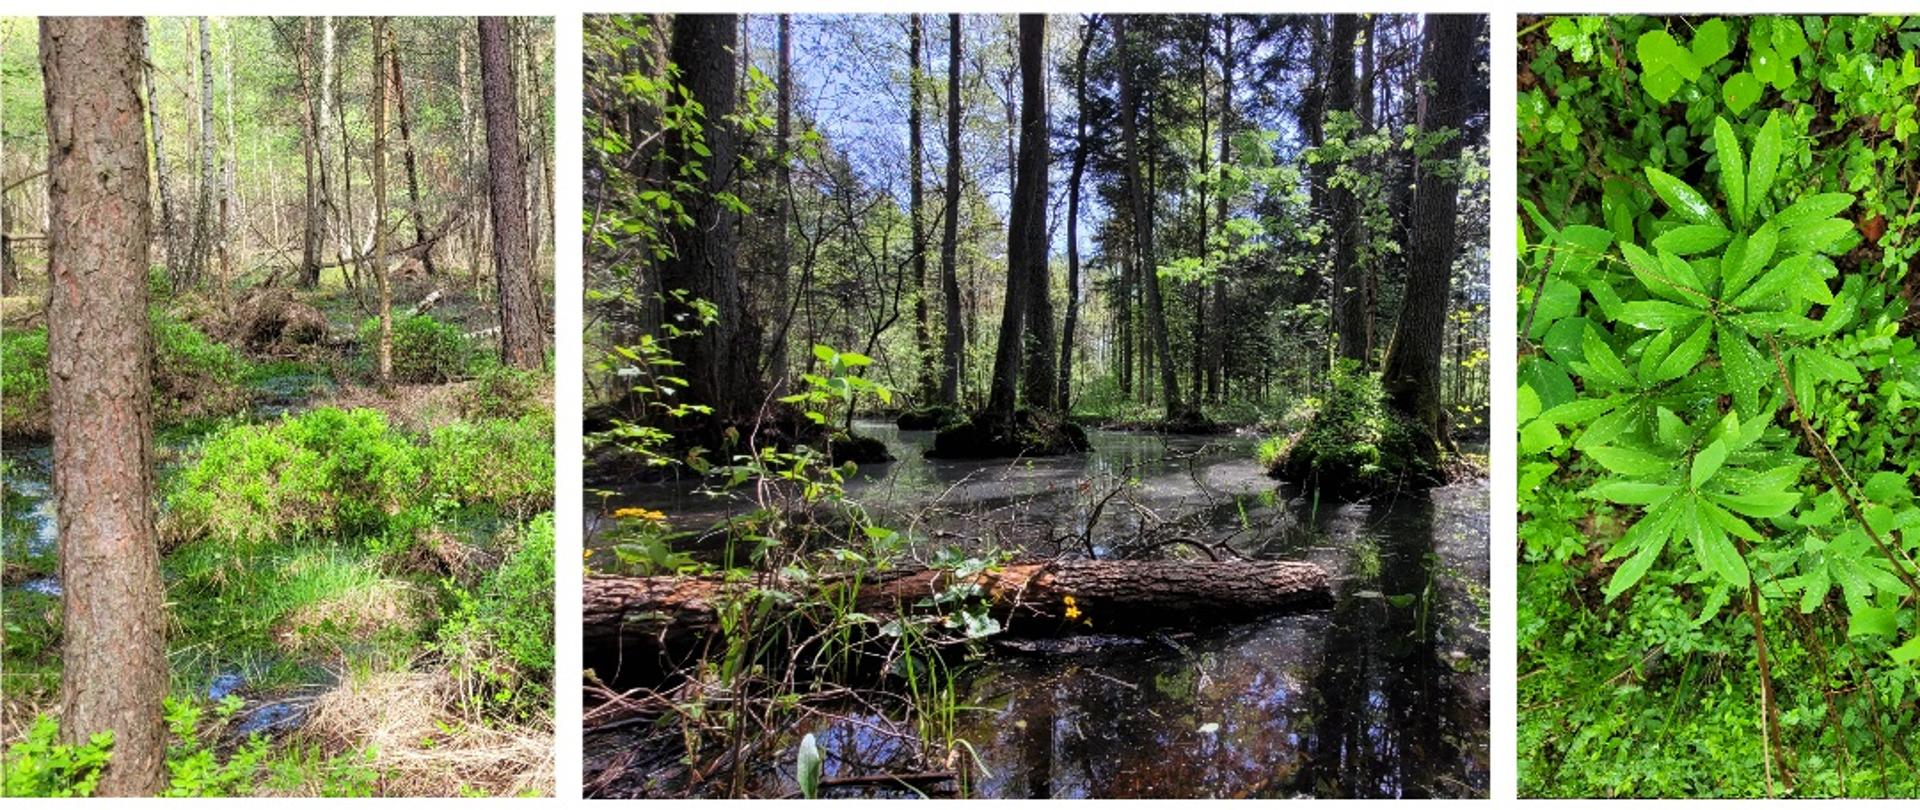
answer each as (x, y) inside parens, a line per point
(424, 350)
(1354, 445)
(194, 376)
(1716, 430)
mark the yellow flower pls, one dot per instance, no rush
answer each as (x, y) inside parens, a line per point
(636, 513)
(588, 553)
(1073, 610)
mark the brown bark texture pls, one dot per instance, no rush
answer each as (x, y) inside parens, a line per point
(639, 613)
(1412, 369)
(99, 357)
(522, 322)
(953, 344)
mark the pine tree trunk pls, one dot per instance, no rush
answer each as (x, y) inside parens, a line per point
(99, 358)
(1412, 371)
(522, 324)
(953, 342)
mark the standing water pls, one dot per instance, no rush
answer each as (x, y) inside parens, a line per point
(1383, 695)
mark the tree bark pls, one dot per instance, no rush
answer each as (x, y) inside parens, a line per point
(1040, 368)
(638, 613)
(1217, 313)
(777, 361)
(1412, 371)
(952, 343)
(385, 366)
(1028, 212)
(1080, 149)
(522, 322)
(916, 160)
(314, 151)
(722, 368)
(407, 155)
(99, 358)
(1351, 310)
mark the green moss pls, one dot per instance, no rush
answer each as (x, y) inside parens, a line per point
(194, 377)
(1355, 446)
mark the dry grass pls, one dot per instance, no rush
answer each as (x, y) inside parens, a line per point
(423, 744)
(356, 613)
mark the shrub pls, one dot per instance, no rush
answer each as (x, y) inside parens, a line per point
(498, 637)
(42, 766)
(500, 392)
(193, 377)
(326, 472)
(424, 350)
(503, 462)
(23, 382)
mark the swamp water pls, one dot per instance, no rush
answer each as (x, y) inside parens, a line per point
(29, 551)
(1383, 695)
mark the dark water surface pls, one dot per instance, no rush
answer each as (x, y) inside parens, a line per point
(1383, 695)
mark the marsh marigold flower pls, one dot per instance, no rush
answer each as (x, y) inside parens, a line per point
(636, 513)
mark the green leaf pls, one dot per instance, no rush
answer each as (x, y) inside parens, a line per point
(1782, 277)
(1657, 314)
(1758, 250)
(1746, 371)
(1602, 363)
(1868, 620)
(1821, 236)
(1682, 199)
(1888, 488)
(1714, 551)
(1760, 505)
(1686, 355)
(1707, 462)
(1633, 493)
(1740, 91)
(1733, 166)
(809, 766)
(1811, 209)
(1627, 461)
(1906, 653)
(1710, 43)
(1687, 240)
(1766, 155)
(1635, 568)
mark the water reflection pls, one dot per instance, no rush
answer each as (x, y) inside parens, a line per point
(1384, 695)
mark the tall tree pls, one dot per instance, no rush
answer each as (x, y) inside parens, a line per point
(169, 236)
(522, 326)
(1217, 308)
(1449, 87)
(1040, 381)
(314, 151)
(385, 354)
(783, 210)
(1079, 170)
(201, 246)
(1352, 313)
(1139, 195)
(916, 160)
(720, 357)
(407, 159)
(953, 343)
(99, 361)
(1028, 214)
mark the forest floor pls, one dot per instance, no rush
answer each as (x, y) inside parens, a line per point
(359, 582)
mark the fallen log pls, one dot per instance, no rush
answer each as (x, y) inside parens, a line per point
(634, 614)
